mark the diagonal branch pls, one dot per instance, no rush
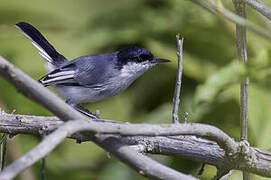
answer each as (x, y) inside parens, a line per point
(260, 7)
(133, 156)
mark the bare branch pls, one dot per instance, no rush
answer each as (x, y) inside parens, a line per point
(260, 7)
(241, 43)
(128, 129)
(176, 99)
(133, 156)
(247, 158)
(135, 159)
(189, 146)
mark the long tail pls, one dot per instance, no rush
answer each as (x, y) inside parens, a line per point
(46, 50)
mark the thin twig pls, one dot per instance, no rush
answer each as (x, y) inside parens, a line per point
(177, 92)
(241, 43)
(4, 151)
(260, 7)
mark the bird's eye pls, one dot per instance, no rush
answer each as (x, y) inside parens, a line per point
(144, 57)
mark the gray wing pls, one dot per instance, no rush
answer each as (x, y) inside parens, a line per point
(89, 71)
(63, 75)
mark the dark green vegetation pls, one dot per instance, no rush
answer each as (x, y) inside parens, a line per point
(210, 91)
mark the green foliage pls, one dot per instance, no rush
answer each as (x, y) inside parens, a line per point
(217, 82)
(210, 86)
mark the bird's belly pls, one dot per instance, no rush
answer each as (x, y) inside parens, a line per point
(79, 94)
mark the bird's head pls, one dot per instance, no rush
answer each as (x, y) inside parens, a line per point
(137, 60)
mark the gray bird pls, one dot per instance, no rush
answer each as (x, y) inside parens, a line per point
(93, 77)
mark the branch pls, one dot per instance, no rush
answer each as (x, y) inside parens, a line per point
(241, 43)
(176, 99)
(189, 146)
(247, 158)
(132, 155)
(128, 154)
(127, 129)
(260, 7)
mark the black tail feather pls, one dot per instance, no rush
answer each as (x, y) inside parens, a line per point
(39, 39)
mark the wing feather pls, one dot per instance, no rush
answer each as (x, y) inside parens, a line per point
(63, 75)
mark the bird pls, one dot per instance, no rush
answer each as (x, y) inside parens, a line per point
(89, 78)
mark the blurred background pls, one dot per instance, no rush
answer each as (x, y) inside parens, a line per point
(210, 86)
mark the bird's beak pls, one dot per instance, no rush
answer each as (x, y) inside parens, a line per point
(159, 60)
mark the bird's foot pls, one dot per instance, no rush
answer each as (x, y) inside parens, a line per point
(86, 112)
(83, 110)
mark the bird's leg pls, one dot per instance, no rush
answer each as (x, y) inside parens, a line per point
(86, 112)
(83, 110)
